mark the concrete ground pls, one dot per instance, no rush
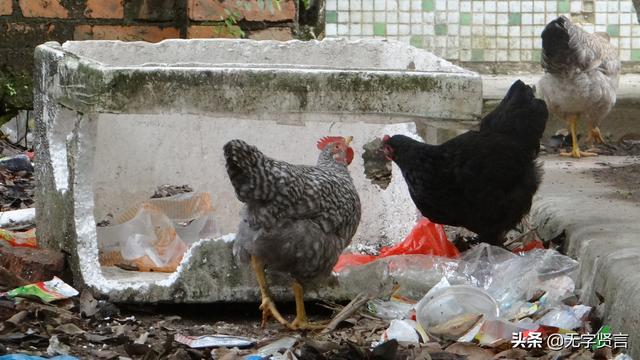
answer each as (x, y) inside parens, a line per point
(602, 231)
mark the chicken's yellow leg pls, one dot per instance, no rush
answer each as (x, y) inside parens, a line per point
(268, 307)
(575, 149)
(301, 321)
(595, 137)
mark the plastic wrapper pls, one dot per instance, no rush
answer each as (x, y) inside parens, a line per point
(404, 331)
(46, 291)
(20, 238)
(556, 289)
(561, 317)
(20, 162)
(213, 341)
(154, 235)
(287, 342)
(391, 309)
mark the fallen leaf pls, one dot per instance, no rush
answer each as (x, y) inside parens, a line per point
(70, 329)
(515, 354)
(88, 305)
(17, 318)
(442, 355)
(471, 351)
(105, 354)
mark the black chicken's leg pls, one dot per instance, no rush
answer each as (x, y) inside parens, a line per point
(267, 306)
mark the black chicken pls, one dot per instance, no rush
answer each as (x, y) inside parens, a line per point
(481, 180)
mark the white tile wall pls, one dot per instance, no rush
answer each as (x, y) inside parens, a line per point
(481, 30)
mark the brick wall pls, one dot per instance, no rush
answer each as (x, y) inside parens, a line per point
(25, 24)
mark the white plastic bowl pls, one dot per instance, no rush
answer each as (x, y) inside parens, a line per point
(452, 301)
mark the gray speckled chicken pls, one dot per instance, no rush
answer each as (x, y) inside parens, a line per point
(297, 219)
(581, 77)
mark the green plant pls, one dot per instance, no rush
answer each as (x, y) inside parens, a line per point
(307, 4)
(16, 93)
(10, 90)
(231, 22)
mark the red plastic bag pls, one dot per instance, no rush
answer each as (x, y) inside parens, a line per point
(426, 238)
(534, 244)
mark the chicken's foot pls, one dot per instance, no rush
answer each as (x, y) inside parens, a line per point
(301, 322)
(267, 306)
(575, 149)
(595, 136)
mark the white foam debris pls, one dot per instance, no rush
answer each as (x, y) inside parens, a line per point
(17, 217)
(227, 238)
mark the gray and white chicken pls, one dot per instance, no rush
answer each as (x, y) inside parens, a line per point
(297, 219)
(581, 77)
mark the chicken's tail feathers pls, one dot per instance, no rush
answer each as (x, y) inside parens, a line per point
(242, 161)
(520, 116)
(556, 49)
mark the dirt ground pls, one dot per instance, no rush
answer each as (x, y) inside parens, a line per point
(625, 178)
(104, 331)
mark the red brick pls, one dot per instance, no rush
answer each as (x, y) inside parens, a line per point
(5, 7)
(157, 10)
(104, 9)
(125, 33)
(276, 33)
(43, 8)
(213, 31)
(32, 265)
(251, 10)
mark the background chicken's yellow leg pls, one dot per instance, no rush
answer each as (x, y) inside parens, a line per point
(301, 321)
(575, 148)
(267, 306)
(595, 137)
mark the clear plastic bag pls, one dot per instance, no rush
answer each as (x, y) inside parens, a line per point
(154, 235)
(561, 317)
(414, 274)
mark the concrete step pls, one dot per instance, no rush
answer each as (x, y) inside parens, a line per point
(601, 229)
(623, 118)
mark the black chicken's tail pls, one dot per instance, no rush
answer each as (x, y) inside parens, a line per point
(557, 53)
(520, 115)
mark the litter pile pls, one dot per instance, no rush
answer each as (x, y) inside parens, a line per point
(484, 301)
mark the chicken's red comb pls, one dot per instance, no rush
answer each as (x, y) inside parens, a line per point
(328, 140)
(386, 138)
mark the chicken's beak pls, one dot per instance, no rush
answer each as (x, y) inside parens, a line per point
(347, 140)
